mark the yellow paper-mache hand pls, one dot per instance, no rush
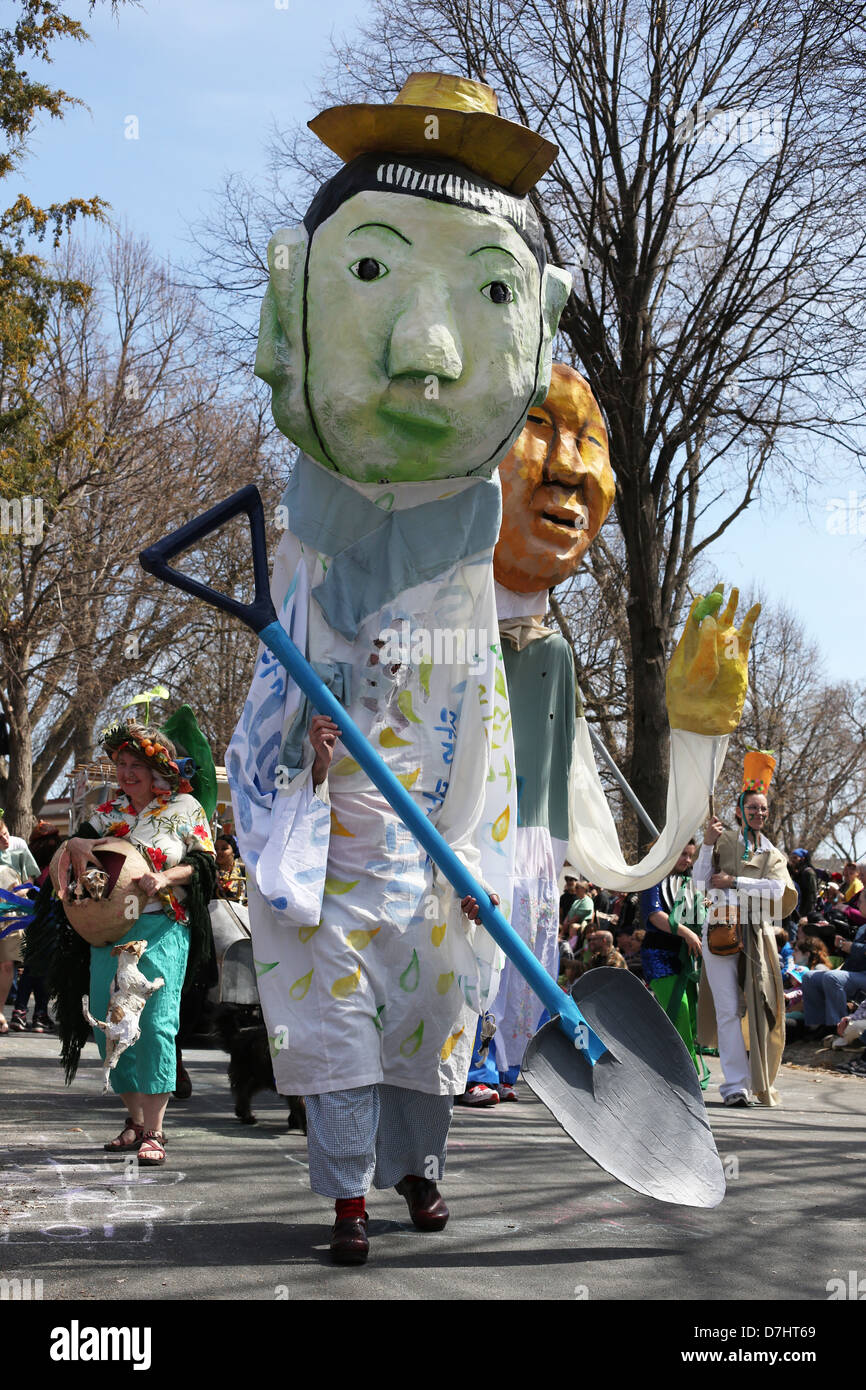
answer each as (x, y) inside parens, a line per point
(708, 675)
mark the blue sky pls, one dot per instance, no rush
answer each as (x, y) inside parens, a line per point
(205, 79)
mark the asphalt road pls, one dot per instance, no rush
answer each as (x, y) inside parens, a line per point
(231, 1216)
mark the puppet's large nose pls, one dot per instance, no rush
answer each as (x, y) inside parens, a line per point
(425, 338)
(563, 462)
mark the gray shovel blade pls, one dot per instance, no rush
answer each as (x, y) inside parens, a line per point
(639, 1112)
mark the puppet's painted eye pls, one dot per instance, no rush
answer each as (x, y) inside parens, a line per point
(368, 268)
(498, 291)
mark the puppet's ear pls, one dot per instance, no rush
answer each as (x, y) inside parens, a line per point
(555, 289)
(280, 353)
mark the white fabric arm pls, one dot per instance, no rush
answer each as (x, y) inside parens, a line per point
(593, 841)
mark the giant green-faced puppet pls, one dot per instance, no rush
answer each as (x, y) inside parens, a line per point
(405, 333)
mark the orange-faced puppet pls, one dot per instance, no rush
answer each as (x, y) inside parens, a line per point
(557, 488)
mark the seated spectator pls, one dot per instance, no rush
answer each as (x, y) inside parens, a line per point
(830, 896)
(603, 952)
(630, 945)
(826, 993)
(817, 924)
(571, 971)
(813, 955)
(785, 949)
(852, 883)
(601, 900)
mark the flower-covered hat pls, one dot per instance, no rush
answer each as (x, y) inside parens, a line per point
(148, 744)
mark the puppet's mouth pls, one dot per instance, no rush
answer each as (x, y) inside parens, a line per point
(571, 523)
(416, 424)
(566, 518)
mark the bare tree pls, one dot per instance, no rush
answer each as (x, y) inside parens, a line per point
(134, 439)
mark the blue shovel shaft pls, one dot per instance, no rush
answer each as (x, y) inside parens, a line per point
(560, 1004)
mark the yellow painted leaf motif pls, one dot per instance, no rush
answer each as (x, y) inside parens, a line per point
(404, 705)
(437, 935)
(338, 829)
(389, 739)
(304, 933)
(499, 683)
(450, 1044)
(411, 975)
(409, 778)
(300, 987)
(262, 967)
(424, 675)
(345, 767)
(409, 1046)
(346, 985)
(339, 885)
(359, 939)
(500, 825)
(444, 983)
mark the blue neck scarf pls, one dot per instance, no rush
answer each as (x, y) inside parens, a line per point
(376, 554)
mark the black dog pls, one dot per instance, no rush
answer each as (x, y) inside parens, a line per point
(245, 1039)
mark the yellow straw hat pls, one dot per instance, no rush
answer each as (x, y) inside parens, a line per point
(438, 116)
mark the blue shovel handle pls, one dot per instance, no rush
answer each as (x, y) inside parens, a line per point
(261, 616)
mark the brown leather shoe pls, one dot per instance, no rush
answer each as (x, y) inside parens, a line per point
(349, 1243)
(426, 1207)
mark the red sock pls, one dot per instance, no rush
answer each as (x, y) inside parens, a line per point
(349, 1208)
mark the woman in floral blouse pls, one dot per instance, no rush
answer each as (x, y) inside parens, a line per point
(156, 813)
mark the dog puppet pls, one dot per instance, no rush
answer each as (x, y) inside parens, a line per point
(130, 991)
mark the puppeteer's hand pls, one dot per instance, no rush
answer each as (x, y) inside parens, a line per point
(323, 736)
(708, 675)
(76, 856)
(471, 908)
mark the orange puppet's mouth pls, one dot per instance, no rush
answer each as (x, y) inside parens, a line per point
(560, 508)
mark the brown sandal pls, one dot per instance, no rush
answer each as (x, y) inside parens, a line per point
(153, 1140)
(115, 1145)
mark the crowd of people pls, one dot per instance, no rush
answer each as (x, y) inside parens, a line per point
(820, 945)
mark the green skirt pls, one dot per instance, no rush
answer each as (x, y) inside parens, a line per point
(150, 1066)
(683, 1015)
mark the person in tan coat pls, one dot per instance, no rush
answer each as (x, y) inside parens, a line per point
(741, 1001)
